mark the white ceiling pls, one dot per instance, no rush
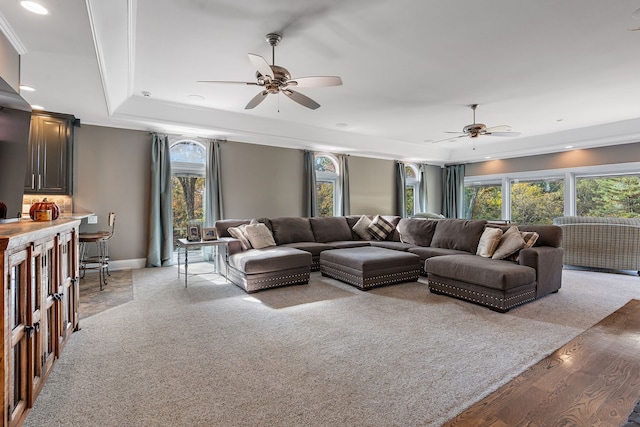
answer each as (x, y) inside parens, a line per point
(560, 72)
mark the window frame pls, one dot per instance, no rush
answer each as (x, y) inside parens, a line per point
(330, 177)
(414, 184)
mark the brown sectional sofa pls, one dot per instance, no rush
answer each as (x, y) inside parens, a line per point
(445, 249)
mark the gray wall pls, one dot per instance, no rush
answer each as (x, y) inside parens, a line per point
(615, 154)
(371, 184)
(112, 173)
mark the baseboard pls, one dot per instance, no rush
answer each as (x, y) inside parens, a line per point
(127, 264)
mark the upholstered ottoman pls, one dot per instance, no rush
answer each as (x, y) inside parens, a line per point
(367, 267)
(497, 284)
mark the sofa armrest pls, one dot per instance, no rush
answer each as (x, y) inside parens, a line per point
(547, 261)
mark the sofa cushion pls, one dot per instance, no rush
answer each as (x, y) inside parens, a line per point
(380, 228)
(388, 244)
(222, 225)
(342, 244)
(330, 229)
(361, 228)
(256, 261)
(489, 242)
(458, 234)
(416, 231)
(490, 273)
(291, 230)
(510, 242)
(312, 247)
(259, 235)
(429, 251)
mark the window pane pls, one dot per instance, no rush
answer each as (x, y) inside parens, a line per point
(187, 201)
(324, 164)
(409, 172)
(188, 151)
(537, 202)
(409, 198)
(325, 197)
(615, 196)
(483, 202)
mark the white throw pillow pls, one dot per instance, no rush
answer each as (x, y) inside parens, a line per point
(259, 236)
(240, 234)
(360, 228)
(489, 242)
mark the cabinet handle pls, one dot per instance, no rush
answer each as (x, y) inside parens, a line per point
(36, 326)
(33, 181)
(29, 330)
(39, 181)
(58, 296)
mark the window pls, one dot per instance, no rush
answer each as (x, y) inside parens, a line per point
(615, 196)
(483, 201)
(411, 183)
(188, 166)
(537, 201)
(326, 184)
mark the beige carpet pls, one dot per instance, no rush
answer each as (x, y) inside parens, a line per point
(324, 354)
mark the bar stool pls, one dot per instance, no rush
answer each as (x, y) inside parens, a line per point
(100, 261)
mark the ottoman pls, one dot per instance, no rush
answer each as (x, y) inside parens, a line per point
(367, 267)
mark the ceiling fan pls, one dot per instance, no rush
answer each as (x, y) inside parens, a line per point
(475, 130)
(275, 79)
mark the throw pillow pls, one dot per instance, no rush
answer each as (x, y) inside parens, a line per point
(259, 236)
(530, 238)
(360, 228)
(240, 234)
(380, 228)
(510, 243)
(489, 242)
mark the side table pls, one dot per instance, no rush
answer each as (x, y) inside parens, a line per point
(185, 245)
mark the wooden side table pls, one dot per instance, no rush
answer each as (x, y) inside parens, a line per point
(185, 245)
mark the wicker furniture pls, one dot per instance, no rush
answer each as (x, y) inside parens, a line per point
(599, 242)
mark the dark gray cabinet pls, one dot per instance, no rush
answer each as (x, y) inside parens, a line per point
(50, 166)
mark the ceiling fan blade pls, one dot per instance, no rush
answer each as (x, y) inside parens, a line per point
(228, 82)
(317, 81)
(261, 65)
(453, 138)
(452, 131)
(499, 128)
(301, 99)
(256, 100)
(502, 133)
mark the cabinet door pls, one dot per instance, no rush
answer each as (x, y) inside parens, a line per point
(49, 168)
(34, 310)
(18, 357)
(49, 320)
(67, 293)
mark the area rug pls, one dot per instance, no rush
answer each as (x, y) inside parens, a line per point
(322, 354)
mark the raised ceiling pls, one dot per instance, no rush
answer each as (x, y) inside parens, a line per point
(560, 72)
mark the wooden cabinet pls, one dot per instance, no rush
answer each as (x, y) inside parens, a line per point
(50, 164)
(40, 305)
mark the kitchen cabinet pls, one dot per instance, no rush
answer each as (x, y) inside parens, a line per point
(50, 162)
(40, 304)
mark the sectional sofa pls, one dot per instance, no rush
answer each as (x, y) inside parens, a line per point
(496, 266)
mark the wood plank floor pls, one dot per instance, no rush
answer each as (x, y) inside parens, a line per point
(593, 380)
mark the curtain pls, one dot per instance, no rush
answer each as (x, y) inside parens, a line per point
(401, 202)
(309, 190)
(160, 250)
(453, 191)
(422, 189)
(345, 195)
(213, 209)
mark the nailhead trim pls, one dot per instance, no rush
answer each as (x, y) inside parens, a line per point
(359, 281)
(268, 283)
(501, 302)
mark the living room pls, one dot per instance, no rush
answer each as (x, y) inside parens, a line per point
(262, 176)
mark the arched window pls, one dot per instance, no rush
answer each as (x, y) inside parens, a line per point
(412, 184)
(188, 168)
(327, 172)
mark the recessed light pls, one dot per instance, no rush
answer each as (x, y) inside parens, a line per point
(146, 94)
(37, 107)
(34, 7)
(569, 146)
(26, 88)
(196, 97)
(487, 157)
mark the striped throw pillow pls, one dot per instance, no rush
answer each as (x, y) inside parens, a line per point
(380, 228)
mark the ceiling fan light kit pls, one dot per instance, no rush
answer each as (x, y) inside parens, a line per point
(275, 79)
(475, 130)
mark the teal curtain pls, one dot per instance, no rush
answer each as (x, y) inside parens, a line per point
(345, 195)
(453, 180)
(401, 179)
(309, 189)
(160, 250)
(422, 189)
(213, 208)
